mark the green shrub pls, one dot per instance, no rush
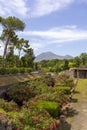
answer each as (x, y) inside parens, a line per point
(8, 106)
(39, 86)
(49, 80)
(52, 107)
(65, 80)
(63, 88)
(15, 70)
(29, 70)
(2, 71)
(32, 119)
(19, 94)
(22, 70)
(3, 119)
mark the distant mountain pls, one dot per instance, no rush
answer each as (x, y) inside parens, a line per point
(50, 56)
(67, 57)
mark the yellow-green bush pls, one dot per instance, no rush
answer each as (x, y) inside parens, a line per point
(66, 89)
(52, 107)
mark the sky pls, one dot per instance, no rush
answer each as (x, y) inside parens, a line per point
(59, 26)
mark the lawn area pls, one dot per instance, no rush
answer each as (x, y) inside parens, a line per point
(79, 107)
(81, 89)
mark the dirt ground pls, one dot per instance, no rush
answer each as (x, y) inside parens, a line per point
(77, 113)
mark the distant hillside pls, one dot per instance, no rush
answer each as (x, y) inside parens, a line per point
(50, 56)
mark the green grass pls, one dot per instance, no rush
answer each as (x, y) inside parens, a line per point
(81, 89)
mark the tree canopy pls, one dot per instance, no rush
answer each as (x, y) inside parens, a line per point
(11, 42)
(12, 23)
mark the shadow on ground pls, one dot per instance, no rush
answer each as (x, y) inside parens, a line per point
(74, 100)
(68, 112)
(71, 112)
(77, 92)
(64, 126)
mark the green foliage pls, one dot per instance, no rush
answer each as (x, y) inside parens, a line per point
(24, 70)
(29, 118)
(60, 65)
(65, 80)
(52, 107)
(34, 119)
(66, 65)
(12, 23)
(28, 59)
(4, 71)
(3, 118)
(63, 88)
(51, 65)
(83, 58)
(40, 85)
(77, 61)
(8, 106)
(38, 107)
(49, 80)
(53, 95)
(12, 42)
(19, 94)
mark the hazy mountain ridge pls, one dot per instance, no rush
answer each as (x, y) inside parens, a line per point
(50, 56)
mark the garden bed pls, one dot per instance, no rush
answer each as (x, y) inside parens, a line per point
(38, 104)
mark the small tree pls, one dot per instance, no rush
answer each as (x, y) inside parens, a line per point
(66, 65)
(83, 58)
(28, 58)
(77, 61)
(9, 25)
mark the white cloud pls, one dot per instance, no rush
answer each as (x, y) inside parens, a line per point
(13, 7)
(59, 35)
(35, 8)
(43, 7)
(55, 37)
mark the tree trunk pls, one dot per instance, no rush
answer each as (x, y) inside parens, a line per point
(5, 51)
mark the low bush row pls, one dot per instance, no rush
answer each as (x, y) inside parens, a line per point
(4, 71)
(65, 89)
(65, 80)
(38, 116)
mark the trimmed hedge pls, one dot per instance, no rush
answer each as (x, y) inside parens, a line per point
(53, 108)
(4, 71)
(66, 89)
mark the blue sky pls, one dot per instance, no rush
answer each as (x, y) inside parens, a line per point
(59, 26)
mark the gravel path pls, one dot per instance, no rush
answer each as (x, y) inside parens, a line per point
(77, 116)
